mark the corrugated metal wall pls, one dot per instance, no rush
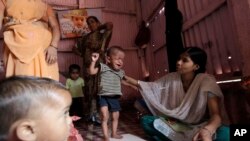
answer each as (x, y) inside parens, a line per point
(207, 24)
(153, 13)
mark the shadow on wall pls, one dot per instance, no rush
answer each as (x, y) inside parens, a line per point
(237, 103)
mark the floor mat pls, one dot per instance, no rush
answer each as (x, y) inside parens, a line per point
(129, 128)
(128, 137)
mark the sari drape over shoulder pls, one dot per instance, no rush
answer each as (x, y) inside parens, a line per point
(26, 36)
(166, 97)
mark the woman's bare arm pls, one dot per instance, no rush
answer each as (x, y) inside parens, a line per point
(206, 132)
(214, 112)
(2, 7)
(51, 51)
(55, 27)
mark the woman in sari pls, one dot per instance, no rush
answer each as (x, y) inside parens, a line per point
(187, 104)
(31, 35)
(95, 41)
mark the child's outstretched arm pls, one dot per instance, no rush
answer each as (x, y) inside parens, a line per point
(130, 80)
(130, 85)
(92, 69)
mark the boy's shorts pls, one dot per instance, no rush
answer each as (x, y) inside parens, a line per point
(111, 101)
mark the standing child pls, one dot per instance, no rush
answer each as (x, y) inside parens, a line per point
(110, 87)
(34, 109)
(75, 84)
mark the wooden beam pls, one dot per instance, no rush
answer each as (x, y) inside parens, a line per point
(156, 49)
(156, 10)
(119, 12)
(203, 14)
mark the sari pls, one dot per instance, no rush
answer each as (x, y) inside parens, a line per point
(26, 36)
(95, 41)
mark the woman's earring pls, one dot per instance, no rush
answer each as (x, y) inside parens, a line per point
(196, 68)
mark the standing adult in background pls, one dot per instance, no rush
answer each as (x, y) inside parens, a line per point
(96, 41)
(31, 34)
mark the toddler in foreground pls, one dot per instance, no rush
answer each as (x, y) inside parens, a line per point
(34, 109)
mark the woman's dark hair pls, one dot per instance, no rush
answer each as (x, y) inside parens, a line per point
(92, 17)
(74, 67)
(198, 56)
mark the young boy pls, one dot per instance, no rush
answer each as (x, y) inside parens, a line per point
(110, 87)
(34, 109)
(75, 84)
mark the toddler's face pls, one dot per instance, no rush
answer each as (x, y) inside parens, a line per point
(116, 60)
(74, 74)
(78, 21)
(54, 122)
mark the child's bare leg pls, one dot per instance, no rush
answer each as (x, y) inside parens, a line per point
(115, 119)
(104, 117)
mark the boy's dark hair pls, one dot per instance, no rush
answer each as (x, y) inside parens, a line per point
(113, 49)
(92, 17)
(74, 67)
(19, 95)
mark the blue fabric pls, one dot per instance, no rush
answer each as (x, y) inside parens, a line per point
(223, 133)
(112, 102)
(153, 134)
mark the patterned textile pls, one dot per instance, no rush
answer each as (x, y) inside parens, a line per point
(74, 134)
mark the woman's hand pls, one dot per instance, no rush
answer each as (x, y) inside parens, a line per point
(51, 55)
(203, 135)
